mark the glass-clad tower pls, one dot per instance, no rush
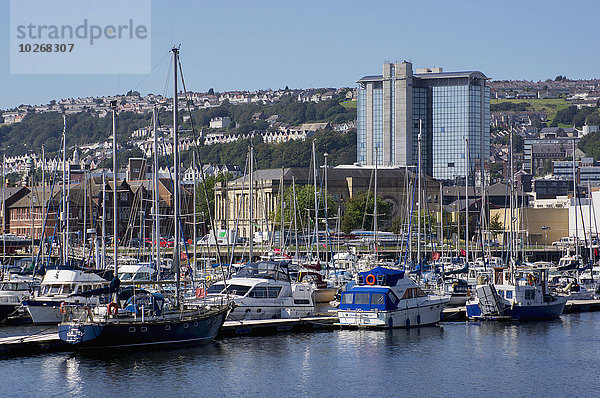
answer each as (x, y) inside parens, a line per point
(450, 106)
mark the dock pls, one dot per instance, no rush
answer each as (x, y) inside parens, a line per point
(50, 342)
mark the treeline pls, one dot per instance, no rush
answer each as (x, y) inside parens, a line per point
(38, 129)
(341, 148)
(289, 110)
(590, 144)
(577, 117)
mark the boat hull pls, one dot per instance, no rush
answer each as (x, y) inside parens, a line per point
(325, 295)
(427, 314)
(543, 311)
(6, 310)
(43, 312)
(191, 330)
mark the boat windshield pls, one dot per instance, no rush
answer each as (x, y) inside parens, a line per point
(237, 290)
(264, 270)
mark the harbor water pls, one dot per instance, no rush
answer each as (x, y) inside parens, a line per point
(552, 358)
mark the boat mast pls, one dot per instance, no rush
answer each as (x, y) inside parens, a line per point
(68, 204)
(441, 203)
(43, 206)
(327, 232)
(194, 211)
(512, 205)
(176, 198)
(4, 209)
(467, 200)
(103, 219)
(156, 193)
(575, 202)
(115, 209)
(314, 156)
(64, 191)
(84, 209)
(281, 238)
(251, 202)
(295, 216)
(590, 223)
(419, 193)
(375, 202)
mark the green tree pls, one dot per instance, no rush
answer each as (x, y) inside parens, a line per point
(305, 206)
(361, 207)
(204, 190)
(496, 226)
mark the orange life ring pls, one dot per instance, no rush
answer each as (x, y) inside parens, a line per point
(113, 309)
(370, 279)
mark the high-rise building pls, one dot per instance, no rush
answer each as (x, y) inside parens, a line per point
(448, 107)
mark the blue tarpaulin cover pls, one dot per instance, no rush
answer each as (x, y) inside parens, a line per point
(392, 276)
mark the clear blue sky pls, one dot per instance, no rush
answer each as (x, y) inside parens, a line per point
(257, 44)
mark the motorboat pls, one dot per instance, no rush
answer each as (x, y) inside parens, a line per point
(519, 293)
(261, 290)
(386, 298)
(12, 293)
(60, 287)
(13, 242)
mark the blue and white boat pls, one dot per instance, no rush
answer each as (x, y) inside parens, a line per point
(516, 294)
(386, 298)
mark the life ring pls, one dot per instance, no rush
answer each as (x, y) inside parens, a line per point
(113, 309)
(370, 279)
(200, 292)
(63, 310)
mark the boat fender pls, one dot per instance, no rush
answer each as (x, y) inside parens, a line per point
(113, 309)
(370, 279)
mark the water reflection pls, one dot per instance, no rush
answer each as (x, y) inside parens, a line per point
(498, 359)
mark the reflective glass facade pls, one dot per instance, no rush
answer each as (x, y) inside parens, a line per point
(451, 106)
(361, 126)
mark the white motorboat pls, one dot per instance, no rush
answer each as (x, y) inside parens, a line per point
(12, 293)
(386, 298)
(262, 290)
(62, 286)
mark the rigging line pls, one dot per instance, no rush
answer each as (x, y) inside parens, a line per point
(195, 143)
(362, 225)
(152, 70)
(195, 140)
(167, 79)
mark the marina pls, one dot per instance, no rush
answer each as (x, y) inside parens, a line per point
(553, 355)
(41, 341)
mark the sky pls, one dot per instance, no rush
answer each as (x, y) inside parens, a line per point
(260, 44)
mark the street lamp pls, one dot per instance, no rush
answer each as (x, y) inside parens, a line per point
(545, 228)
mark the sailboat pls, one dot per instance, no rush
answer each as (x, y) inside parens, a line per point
(516, 293)
(142, 318)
